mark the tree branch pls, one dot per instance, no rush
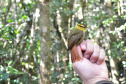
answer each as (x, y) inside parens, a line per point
(6, 13)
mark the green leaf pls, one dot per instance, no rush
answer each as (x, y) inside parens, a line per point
(70, 65)
(23, 63)
(25, 17)
(33, 2)
(9, 62)
(114, 16)
(124, 48)
(12, 70)
(16, 31)
(38, 60)
(53, 66)
(9, 20)
(4, 9)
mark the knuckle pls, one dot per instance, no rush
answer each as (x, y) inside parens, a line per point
(89, 41)
(90, 51)
(94, 56)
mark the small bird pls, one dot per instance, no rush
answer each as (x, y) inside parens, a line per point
(76, 35)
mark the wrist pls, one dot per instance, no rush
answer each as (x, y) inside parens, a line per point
(94, 81)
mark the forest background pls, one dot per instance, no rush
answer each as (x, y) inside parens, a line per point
(33, 38)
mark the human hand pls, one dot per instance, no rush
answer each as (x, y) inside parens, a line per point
(90, 65)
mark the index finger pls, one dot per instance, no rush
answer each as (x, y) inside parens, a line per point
(76, 54)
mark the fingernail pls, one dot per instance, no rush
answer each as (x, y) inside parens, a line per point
(98, 62)
(92, 61)
(84, 46)
(86, 56)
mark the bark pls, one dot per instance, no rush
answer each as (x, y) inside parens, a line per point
(6, 12)
(45, 58)
(83, 5)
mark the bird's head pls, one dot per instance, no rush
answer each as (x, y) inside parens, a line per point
(81, 27)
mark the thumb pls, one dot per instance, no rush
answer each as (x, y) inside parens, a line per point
(76, 54)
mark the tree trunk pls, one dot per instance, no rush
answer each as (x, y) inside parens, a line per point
(64, 26)
(113, 60)
(45, 58)
(83, 5)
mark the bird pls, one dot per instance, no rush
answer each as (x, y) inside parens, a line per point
(76, 35)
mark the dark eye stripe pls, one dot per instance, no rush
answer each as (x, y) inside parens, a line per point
(81, 25)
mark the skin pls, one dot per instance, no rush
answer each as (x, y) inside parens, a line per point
(92, 68)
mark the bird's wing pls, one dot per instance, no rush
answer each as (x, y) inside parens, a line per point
(75, 38)
(72, 32)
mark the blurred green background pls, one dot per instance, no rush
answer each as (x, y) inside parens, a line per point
(33, 38)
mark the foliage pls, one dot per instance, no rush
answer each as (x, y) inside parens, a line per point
(20, 38)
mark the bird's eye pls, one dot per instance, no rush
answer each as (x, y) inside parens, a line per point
(84, 26)
(81, 25)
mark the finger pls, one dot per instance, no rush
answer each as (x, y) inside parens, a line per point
(101, 57)
(76, 54)
(83, 45)
(79, 51)
(94, 57)
(89, 49)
